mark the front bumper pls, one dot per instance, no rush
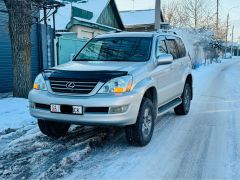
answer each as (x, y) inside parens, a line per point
(129, 117)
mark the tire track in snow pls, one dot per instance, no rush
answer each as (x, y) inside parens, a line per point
(29, 154)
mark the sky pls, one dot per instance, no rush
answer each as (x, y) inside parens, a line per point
(225, 5)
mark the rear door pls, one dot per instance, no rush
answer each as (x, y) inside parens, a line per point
(176, 85)
(183, 62)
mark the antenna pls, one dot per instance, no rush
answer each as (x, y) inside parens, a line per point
(133, 4)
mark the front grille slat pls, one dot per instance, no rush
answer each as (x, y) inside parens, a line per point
(73, 89)
(76, 81)
(79, 86)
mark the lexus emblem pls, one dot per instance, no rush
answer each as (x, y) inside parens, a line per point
(70, 85)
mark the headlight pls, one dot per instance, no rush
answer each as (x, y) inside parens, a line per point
(117, 85)
(39, 83)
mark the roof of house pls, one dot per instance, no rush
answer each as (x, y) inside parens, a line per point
(90, 11)
(138, 17)
(81, 21)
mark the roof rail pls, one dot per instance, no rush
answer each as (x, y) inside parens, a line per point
(166, 31)
(165, 28)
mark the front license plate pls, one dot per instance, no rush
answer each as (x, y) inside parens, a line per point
(66, 109)
(55, 108)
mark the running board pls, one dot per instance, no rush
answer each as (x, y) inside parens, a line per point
(172, 104)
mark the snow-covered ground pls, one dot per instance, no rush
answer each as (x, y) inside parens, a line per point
(14, 113)
(204, 144)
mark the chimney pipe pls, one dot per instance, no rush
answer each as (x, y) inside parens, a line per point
(157, 14)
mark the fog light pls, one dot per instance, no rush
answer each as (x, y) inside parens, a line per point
(32, 105)
(118, 109)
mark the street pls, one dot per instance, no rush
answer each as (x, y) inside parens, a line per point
(204, 144)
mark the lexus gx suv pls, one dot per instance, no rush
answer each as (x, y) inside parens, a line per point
(120, 79)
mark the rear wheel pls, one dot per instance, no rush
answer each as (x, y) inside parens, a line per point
(184, 107)
(53, 129)
(141, 133)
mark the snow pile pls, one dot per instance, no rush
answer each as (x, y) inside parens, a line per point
(14, 113)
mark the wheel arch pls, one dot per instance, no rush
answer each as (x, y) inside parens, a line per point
(151, 93)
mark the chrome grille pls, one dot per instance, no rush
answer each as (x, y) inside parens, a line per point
(73, 86)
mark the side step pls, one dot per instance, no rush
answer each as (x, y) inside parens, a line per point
(172, 104)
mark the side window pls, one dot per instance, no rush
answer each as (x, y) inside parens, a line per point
(161, 47)
(181, 48)
(172, 47)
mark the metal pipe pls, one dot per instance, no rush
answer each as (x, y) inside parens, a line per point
(232, 40)
(157, 14)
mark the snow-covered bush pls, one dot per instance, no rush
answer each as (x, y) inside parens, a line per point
(198, 43)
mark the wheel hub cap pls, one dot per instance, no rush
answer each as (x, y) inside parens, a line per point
(147, 122)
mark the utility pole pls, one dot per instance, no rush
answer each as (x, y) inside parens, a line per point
(195, 16)
(217, 23)
(232, 40)
(227, 28)
(157, 14)
(45, 14)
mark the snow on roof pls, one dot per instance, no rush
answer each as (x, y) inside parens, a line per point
(101, 25)
(138, 17)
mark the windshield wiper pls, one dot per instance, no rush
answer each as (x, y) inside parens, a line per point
(83, 60)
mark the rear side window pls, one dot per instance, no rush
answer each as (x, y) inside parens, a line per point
(181, 48)
(172, 48)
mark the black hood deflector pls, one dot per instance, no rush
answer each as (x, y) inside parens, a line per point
(101, 76)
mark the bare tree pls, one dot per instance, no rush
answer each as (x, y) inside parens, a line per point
(196, 11)
(20, 21)
(174, 13)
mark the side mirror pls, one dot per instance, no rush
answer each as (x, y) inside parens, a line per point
(164, 59)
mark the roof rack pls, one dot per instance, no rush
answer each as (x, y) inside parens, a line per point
(165, 28)
(166, 31)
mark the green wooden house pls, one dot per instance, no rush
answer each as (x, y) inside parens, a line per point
(88, 18)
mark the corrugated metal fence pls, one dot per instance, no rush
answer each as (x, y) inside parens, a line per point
(42, 50)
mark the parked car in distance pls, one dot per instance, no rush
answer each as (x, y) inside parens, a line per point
(120, 79)
(227, 56)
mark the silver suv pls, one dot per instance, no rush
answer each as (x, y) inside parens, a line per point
(120, 79)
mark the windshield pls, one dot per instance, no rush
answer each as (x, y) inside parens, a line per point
(116, 49)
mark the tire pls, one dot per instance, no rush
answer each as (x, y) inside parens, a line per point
(53, 129)
(140, 133)
(184, 107)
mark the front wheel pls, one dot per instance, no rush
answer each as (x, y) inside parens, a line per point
(141, 133)
(184, 107)
(53, 129)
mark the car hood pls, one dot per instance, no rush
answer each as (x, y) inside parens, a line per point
(129, 67)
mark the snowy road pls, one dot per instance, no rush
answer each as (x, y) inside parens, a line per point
(204, 144)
